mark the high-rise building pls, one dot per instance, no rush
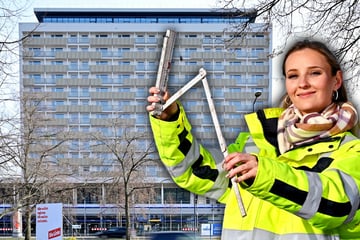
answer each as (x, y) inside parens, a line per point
(94, 66)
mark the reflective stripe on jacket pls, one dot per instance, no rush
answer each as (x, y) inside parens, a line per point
(311, 192)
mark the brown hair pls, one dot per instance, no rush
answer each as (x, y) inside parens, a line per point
(331, 59)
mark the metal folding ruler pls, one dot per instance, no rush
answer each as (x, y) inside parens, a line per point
(161, 83)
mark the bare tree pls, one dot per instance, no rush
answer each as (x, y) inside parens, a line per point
(127, 176)
(29, 152)
(11, 13)
(335, 21)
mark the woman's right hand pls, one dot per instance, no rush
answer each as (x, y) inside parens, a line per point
(169, 112)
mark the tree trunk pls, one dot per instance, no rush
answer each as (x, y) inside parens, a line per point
(28, 223)
(129, 228)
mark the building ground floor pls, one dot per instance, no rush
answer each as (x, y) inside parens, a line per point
(87, 219)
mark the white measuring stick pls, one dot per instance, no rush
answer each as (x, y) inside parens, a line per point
(164, 68)
(202, 77)
(222, 143)
(185, 88)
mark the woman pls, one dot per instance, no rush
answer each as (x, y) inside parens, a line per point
(302, 180)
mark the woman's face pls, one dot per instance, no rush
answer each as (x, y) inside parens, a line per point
(309, 82)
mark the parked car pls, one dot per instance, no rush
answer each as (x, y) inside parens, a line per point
(116, 232)
(171, 236)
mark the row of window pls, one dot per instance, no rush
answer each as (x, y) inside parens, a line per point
(113, 110)
(144, 49)
(78, 92)
(151, 20)
(85, 65)
(125, 76)
(183, 54)
(147, 36)
(146, 65)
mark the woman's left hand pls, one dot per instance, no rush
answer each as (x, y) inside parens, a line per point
(242, 165)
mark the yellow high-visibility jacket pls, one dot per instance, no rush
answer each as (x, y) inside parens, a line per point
(311, 192)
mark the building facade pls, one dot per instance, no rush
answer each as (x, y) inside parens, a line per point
(92, 67)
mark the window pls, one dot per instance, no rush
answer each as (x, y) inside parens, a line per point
(103, 77)
(102, 49)
(240, 52)
(84, 38)
(256, 51)
(258, 63)
(235, 63)
(37, 89)
(73, 92)
(106, 105)
(207, 39)
(236, 77)
(191, 63)
(218, 39)
(102, 89)
(84, 92)
(36, 51)
(84, 65)
(84, 75)
(168, 20)
(73, 66)
(72, 38)
(189, 51)
(102, 62)
(140, 66)
(56, 49)
(140, 39)
(124, 76)
(58, 89)
(151, 39)
(35, 62)
(74, 118)
(56, 35)
(73, 75)
(59, 103)
(84, 102)
(235, 90)
(124, 36)
(57, 62)
(59, 116)
(73, 102)
(101, 35)
(152, 66)
(84, 118)
(218, 66)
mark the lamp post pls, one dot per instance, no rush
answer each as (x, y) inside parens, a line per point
(257, 94)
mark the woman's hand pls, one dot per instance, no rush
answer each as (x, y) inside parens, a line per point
(242, 165)
(152, 99)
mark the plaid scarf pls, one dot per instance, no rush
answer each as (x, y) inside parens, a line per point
(295, 129)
